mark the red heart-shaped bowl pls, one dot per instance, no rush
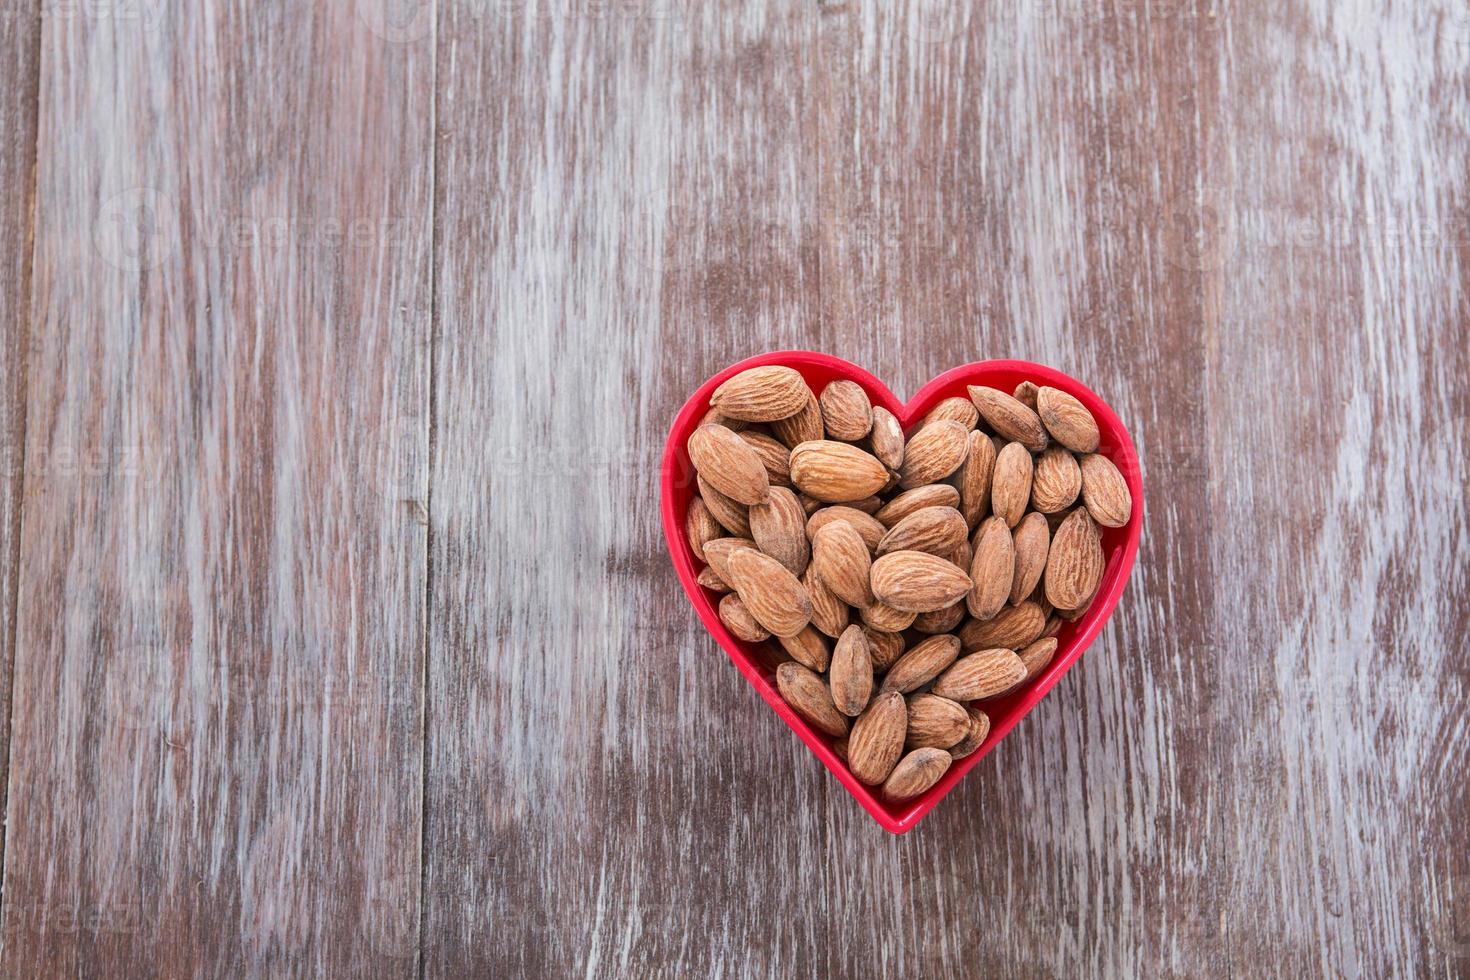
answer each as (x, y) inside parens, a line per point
(1120, 546)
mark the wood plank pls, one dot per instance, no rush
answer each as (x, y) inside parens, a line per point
(605, 796)
(1339, 405)
(19, 32)
(217, 726)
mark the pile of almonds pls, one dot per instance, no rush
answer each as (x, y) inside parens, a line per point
(900, 579)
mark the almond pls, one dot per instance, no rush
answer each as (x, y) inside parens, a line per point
(804, 426)
(836, 471)
(979, 730)
(943, 621)
(1053, 627)
(1075, 565)
(728, 464)
(876, 741)
(1037, 656)
(974, 479)
(700, 526)
(829, 613)
(981, 675)
(713, 416)
(1010, 488)
(846, 411)
(916, 582)
(922, 664)
(936, 530)
(852, 672)
(886, 618)
(868, 505)
(843, 563)
(1008, 417)
(1067, 419)
(960, 410)
(916, 773)
(1032, 540)
(865, 524)
(710, 580)
(935, 722)
(806, 648)
(809, 698)
(935, 451)
(1105, 492)
(762, 394)
(772, 594)
(963, 557)
(733, 517)
(1025, 393)
(809, 504)
(887, 438)
(992, 570)
(1013, 628)
(1057, 481)
(775, 457)
(717, 554)
(779, 529)
(912, 501)
(739, 621)
(885, 648)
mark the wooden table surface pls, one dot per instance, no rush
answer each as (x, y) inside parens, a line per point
(338, 344)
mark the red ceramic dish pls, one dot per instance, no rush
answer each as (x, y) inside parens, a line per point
(1120, 546)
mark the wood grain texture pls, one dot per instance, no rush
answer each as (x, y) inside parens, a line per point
(216, 746)
(19, 32)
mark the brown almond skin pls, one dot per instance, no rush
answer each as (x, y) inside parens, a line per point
(935, 451)
(974, 479)
(732, 516)
(992, 569)
(1056, 482)
(772, 594)
(843, 562)
(985, 674)
(886, 618)
(865, 524)
(887, 438)
(913, 581)
(740, 622)
(1010, 487)
(836, 472)
(775, 457)
(912, 501)
(960, 410)
(943, 621)
(916, 773)
(1032, 539)
(779, 529)
(713, 416)
(922, 664)
(804, 426)
(884, 647)
(936, 530)
(728, 464)
(852, 672)
(809, 698)
(1067, 420)
(1074, 566)
(1008, 417)
(935, 722)
(1105, 492)
(876, 741)
(847, 413)
(1013, 628)
(762, 394)
(1038, 656)
(979, 731)
(710, 580)
(830, 615)
(1025, 393)
(717, 554)
(700, 526)
(806, 648)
